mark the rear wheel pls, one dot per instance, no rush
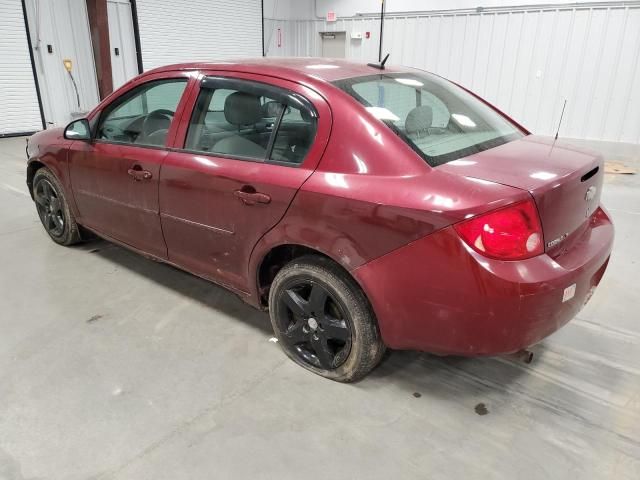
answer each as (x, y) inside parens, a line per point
(53, 209)
(323, 320)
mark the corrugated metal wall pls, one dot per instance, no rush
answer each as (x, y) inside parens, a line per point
(301, 38)
(173, 31)
(19, 111)
(526, 61)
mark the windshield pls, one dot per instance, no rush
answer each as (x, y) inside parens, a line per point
(439, 120)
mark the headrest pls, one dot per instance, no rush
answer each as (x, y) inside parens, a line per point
(271, 109)
(242, 108)
(418, 120)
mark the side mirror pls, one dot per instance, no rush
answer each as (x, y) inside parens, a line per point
(78, 130)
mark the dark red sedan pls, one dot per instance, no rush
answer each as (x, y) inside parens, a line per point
(364, 207)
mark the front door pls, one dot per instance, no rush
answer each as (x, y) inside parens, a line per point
(115, 177)
(247, 149)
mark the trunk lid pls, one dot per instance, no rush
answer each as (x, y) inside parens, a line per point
(565, 182)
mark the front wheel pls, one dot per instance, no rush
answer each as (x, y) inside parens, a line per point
(323, 320)
(53, 209)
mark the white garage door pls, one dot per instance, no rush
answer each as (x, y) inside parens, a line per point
(174, 31)
(124, 64)
(18, 100)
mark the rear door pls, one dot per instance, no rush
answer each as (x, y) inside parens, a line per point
(241, 155)
(115, 176)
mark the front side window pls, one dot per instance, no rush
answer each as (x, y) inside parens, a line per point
(246, 120)
(440, 121)
(142, 116)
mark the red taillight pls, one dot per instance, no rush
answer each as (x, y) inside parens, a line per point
(510, 233)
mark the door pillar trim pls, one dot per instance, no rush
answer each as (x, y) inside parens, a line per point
(99, 28)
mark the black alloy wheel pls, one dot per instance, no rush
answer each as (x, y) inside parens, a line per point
(314, 325)
(53, 209)
(50, 207)
(323, 320)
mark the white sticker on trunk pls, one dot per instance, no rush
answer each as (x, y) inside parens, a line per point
(569, 293)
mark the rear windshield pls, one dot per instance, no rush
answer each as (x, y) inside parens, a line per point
(439, 120)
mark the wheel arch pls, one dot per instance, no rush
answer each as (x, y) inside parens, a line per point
(55, 160)
(32, 167)
(276, 257)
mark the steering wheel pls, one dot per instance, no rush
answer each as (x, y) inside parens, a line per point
(165, 111)
(157, 120)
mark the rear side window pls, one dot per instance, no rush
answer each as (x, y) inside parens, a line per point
(252, 121)
(230, 122)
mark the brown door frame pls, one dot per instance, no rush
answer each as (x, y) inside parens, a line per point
(99, 27)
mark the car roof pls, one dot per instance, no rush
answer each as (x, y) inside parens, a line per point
(294, 68)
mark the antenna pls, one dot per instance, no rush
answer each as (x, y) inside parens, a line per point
(379, 66)
(561, 115)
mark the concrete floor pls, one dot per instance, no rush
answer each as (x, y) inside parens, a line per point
(116, 367)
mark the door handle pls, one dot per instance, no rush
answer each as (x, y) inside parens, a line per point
(252, 197)
(139, 174)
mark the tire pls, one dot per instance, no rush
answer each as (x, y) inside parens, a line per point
(53, 208)
(311, 329)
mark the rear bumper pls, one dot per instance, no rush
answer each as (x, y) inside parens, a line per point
(438, 295)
